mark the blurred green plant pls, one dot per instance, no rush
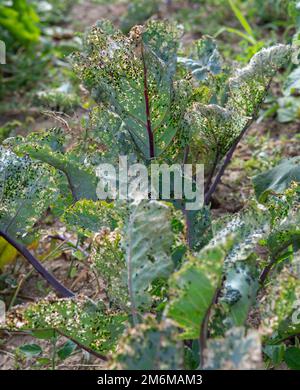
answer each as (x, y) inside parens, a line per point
(138, 11)
(250, 43)
(20, 20)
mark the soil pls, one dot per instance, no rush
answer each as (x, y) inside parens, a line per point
(86, 14)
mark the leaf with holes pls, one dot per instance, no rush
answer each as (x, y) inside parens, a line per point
(85, 322)
(148, 241)
(49, 147)
(133, 75)
(149, 346)
(27, 188)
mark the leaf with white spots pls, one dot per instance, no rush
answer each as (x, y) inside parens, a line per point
(27, 188)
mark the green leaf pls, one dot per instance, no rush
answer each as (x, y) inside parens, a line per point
(21, 21)
(240, 34)
(289, 326)
(279, 308)
(192, 356)
(247, 88)
(89, 216)
(214, 129)
(90, 324)
(43, 361)
(130, 260)
(148, 240)
(277, 179)
(240, 289)
(193, 288)
(292, 84)
(133, 77)
(247, 228)
(149, 346)
(31, 350)
(275, 353)
(289, 109)
(44, 334)
(27, 188)
(285, 233)
(49, 147)
(205, 60)
(241, 19)
(292, 358)
(107, 137)
(241, 270)
(294, 12)
(108, 258)
(66, 350)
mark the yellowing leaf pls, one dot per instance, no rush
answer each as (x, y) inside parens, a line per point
(7, 253)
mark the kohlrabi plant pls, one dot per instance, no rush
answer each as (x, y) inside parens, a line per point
(182, 291)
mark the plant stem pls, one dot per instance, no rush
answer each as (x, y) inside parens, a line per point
(186, 154)
(212, 172)
(17, 290)
(269, 266)
(61, 289)
(188, 227)
(266, 271)
(53, 352)
(227, 160)
(204, 329)
(147, 104)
